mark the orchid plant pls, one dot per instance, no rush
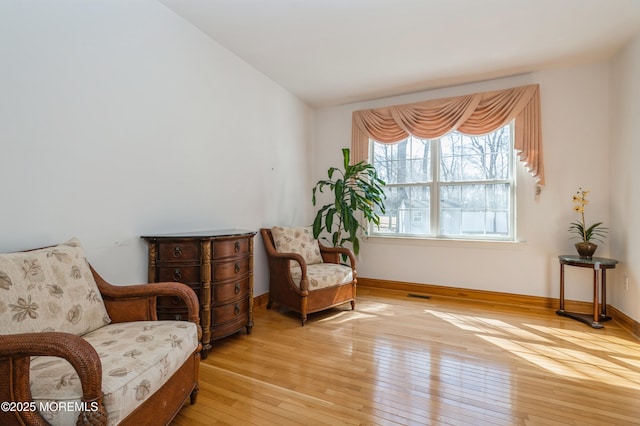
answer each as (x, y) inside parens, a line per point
(586, 234)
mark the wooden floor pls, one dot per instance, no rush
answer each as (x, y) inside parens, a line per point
(399, 360)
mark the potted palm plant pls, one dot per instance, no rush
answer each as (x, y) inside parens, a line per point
(357, 190)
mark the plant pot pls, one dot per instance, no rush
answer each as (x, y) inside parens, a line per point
(586, 250)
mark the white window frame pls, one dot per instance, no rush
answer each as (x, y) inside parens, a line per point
(435, 185)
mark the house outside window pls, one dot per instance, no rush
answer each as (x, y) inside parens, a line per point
(454, 187)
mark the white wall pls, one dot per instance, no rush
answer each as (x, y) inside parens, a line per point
(625, 180)
(119, 119)
(575, 125)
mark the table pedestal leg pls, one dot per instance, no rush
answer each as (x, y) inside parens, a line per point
(596, 314)
(603, 307)
(562, 287)
(592, 319)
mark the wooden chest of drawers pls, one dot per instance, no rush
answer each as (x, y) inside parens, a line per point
(218, 266)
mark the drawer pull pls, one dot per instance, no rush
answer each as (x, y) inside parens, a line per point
(177, 252)
(177, 275)
(236, 309)
(236, 247)
(237, 268)
(236, 289)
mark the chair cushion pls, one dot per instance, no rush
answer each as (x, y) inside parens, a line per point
(50, 289)
(137, 359)
(299, 241)
(323, 275)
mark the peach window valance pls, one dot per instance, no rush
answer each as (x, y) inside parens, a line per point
(475, 114)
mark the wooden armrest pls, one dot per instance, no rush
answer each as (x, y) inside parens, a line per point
(138, 302)
(152, 290)
(77, 351)
(281, 261)
(285, 257)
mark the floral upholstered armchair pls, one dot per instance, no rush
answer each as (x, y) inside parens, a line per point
(304, 275)
(77, 350)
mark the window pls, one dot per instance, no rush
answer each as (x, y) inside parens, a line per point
(457, 186)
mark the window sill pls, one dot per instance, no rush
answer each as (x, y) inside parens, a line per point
(446, 242)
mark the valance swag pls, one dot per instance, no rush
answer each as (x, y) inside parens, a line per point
(475, 114)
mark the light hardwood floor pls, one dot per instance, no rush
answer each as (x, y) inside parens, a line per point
(399, 360)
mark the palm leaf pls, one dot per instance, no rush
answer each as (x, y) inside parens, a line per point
(357, 189)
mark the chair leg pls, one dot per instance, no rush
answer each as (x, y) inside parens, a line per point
(194, 394)
(303, 310)
(353, 305)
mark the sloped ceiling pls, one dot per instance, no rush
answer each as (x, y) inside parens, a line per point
(329, 52)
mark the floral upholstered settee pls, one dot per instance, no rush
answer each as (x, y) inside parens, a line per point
(77, 350)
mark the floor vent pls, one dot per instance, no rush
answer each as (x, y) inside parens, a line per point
(419, 296)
